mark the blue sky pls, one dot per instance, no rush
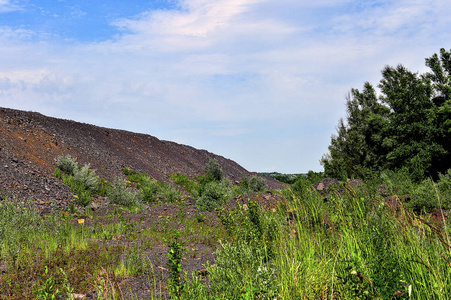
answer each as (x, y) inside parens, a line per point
(262, 82)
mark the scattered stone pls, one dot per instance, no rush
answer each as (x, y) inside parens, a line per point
(325, 184)
(94, 206)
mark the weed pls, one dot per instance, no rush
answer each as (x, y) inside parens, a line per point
(58, 173)
(48, 291)
(175, 255)
(72, 209)
(67, 286)
(200, 218)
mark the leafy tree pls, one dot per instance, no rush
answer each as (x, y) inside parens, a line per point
(440, 76)
(411, 135)
(407, 127)
(357, 147)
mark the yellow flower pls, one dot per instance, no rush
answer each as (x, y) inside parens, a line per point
(81, 221)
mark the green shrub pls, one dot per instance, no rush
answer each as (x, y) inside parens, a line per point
(214, 195)
(67, 164)
(170, 193)
(257, 184)
(104, 187)
(137, 177)
(424, 197)
(175, 255)
(188, 184)
(213, 170)
(87, 177)
(58, 174)
(251, 224)
(301, 188)
(84, 198)
(397, 183)
(444, 187)
(123, 195)
(149, 191)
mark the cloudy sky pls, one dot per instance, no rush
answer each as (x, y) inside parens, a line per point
(262, 82)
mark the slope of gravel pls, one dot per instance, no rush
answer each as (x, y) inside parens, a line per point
(30, 143)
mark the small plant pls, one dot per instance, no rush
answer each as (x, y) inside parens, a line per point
(185, 182)
(58, 173)
(181, 213)
(67, 287)
(48, 291)
(175, 255)
(86, 177)
(170, 193)
(123, 195)
(103, 187)
(200, 218)
(149, 191)
(67, 164)
(72, 209)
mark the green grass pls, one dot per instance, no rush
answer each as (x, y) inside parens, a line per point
(351, 245)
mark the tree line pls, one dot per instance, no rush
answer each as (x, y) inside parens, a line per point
(406, 126)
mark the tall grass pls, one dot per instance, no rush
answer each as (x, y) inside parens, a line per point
(356, 247)
(351, 246)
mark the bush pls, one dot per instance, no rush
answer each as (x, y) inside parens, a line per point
(398, 183)
(256, 184)
(149, 191)
(170, 193)
(67, 164)
(137, 177)
(185, 182)
(123, 195)
(213, 170)
(214, 195)
(87, 178)
(444, 186)
(424, 197)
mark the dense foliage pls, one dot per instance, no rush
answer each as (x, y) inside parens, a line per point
(407, 127)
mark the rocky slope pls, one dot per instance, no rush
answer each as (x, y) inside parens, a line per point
(30, 143)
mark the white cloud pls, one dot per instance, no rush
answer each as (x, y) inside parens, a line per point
(8, 6)
(226, 70)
